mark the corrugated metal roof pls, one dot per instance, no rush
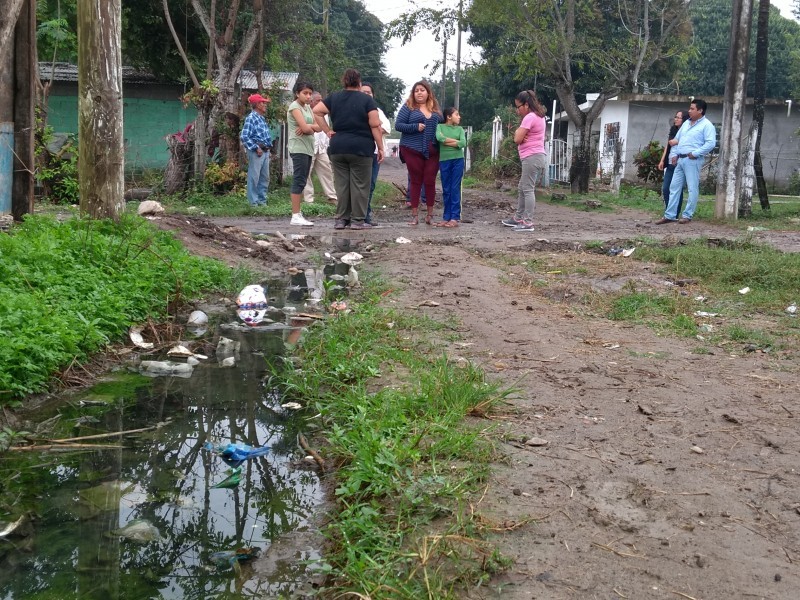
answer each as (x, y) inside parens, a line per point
(247, 79)
(66, 72)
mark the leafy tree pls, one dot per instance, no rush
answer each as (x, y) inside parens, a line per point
(704, 73)
(603, 46)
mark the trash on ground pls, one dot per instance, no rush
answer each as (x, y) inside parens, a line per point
(615, 251)
(610, 346)
(352, 278)
(235, 454)
(698, 450)
(428, 303)
(753, 228)
(139, 530)
(135, 334)
(180, 351)
(536, 441)
(252, 296)
(197, 317)
(338, 306)
(792, 309)
(292, 405)
(263, 243)
(229, 361)
(165, 368)
(402, 240)
(700, 298)
(628, 252)
(227, 347)
(352, 259)
(252, 316)
(150, 207)
(744, 290)
(702, 313)
(706, 328)
(231, 481)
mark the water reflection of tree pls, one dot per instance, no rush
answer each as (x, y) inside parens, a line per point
(170, 469)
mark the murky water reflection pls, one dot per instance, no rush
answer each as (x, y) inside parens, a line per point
(164, 476)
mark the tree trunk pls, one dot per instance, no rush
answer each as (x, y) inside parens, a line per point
(762, 47)
(729, 183)
(180, 159)
(100, 136)
(580, 169)
(24, 120)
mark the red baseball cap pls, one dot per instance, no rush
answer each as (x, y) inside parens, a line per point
(256, 98)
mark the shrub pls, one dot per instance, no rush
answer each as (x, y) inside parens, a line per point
(646, 161)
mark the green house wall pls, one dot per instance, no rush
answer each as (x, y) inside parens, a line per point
(146, 122)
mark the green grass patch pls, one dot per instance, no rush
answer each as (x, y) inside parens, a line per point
(69, 288)
(394, 412)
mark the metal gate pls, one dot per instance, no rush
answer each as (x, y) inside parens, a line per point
(560, 160)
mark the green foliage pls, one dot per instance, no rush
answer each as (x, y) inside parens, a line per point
(68, 289)
(225, 177)
(406, 456)
(647, 160)
(704, 74)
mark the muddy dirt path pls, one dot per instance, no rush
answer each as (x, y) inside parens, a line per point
(648, 469)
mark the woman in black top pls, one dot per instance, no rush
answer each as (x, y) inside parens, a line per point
(354, 131)
(665, 165)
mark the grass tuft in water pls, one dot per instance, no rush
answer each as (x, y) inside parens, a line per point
(395, 410)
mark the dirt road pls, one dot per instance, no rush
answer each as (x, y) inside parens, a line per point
(649, 469)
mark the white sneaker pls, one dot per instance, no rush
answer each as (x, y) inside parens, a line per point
(299, 219)
(308, 200)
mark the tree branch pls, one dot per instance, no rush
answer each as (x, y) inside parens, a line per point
(181, 51)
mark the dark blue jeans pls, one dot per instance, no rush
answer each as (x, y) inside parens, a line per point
(376, 167)
(669, 170)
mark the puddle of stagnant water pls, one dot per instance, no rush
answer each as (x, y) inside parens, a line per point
(164, 477)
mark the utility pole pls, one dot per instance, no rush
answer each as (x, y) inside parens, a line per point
(326, 14)
(730, 143)
(457, 98)
(100, 136)
(444, 72)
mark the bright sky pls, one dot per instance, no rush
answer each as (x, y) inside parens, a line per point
(415, 60)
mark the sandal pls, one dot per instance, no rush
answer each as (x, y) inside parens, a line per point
(450, 224)
(441, 224)
(428, 219)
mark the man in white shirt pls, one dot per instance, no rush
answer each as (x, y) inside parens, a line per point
(320, 164)
(386, 128)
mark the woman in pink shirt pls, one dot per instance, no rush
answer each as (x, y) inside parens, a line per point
(529, 138)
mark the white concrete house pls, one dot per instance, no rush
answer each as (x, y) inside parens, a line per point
(631, 121)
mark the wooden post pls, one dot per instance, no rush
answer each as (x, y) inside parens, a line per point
(24, 118)
(100, 135)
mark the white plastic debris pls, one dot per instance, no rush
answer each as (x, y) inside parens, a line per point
(150, 207)
(135, 334)
(228, 362)
(700, 298)
(251, 316)
(792, 309)
(251, 297)
(352, 278)
(628, 252)
(752, 228)
(402, 240)
(352, 259)
(702, 313)
(292, 406)
(698, 450)
(161, 368)
(227, 347)
(744, 290)
(197, 317)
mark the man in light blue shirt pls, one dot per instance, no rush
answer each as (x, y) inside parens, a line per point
(694, 140)
(257, 141)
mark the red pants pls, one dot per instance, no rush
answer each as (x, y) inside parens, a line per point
(422, 171)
